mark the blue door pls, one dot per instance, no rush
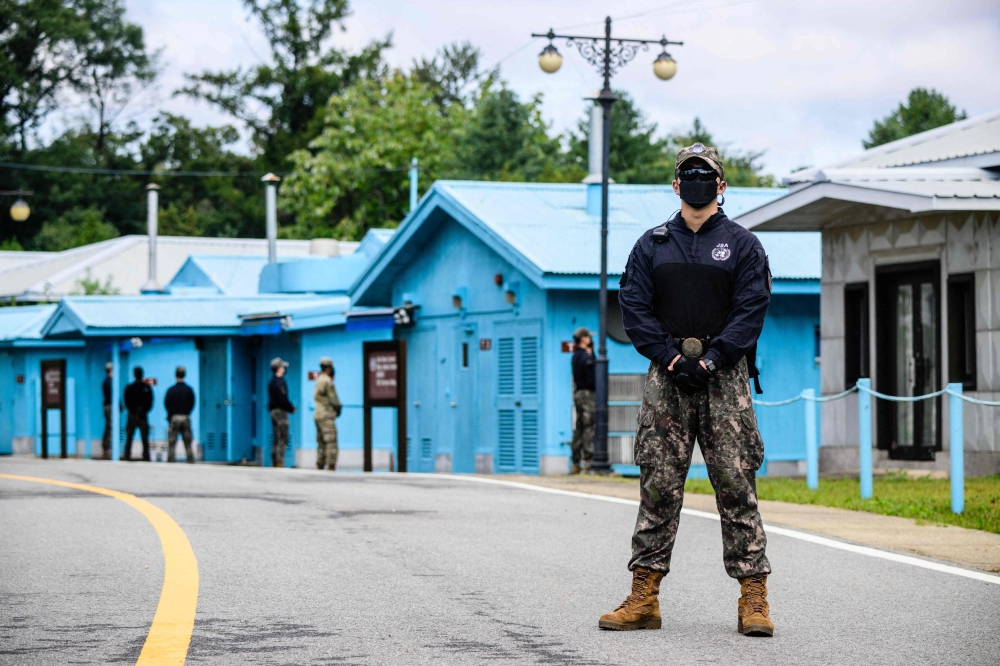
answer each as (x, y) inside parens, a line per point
(518, 353)
(423, 408)
(243, 400)
(214, 436)
(464, 403)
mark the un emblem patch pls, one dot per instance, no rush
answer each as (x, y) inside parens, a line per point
(721, 252)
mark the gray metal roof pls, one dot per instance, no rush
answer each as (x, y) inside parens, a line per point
(974, 142)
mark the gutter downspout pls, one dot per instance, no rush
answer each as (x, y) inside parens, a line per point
(595, 143)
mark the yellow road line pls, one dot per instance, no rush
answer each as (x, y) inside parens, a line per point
(170, 633)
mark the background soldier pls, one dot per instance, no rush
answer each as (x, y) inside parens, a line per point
(179, 403)
(693, 296)
(280, 407)
(327, 410)
(583, 398)
(138, 402)
(106, 389)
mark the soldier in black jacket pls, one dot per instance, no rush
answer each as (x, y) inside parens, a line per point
(138, 402)
(583, 399)
(106, 390)
(280, 407)
(179, 402)
(693, 295)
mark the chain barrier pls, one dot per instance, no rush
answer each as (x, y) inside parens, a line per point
(865, 394)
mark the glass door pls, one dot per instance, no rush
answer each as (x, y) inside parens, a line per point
(908, 323)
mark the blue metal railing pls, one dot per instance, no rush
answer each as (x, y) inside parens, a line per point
(864, 389)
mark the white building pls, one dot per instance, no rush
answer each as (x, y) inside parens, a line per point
(910, 289)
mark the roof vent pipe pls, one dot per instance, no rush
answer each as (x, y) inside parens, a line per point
(414, 174)
(271, 205)
(152, 286)
(595, 147)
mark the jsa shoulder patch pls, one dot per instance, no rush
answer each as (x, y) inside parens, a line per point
(721, 252)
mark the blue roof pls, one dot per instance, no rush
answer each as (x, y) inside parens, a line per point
(544, 230)
(24, 323)
(177, 315)
(233, 275)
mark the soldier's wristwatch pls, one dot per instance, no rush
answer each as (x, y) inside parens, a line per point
(710, 364)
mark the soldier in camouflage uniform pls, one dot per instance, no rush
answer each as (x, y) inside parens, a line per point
(693, 296)
(327, 410)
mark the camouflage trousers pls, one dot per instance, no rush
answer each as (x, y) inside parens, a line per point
(179, 425)
(722, 419)
(106, 440)
(326, 442)
(279, 428)
(134, 422)
(583, 430)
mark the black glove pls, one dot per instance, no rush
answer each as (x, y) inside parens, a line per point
(689, 375)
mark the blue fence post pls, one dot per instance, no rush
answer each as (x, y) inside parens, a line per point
(956, 443)
(812, 450)
(865, 436)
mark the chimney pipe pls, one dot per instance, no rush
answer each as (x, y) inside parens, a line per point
(152, 229)
(414, 174)
(595, 148)
(271, 205)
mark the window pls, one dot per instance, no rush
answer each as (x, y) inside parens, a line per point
(855, 333)
(465, 354)
(962, 330)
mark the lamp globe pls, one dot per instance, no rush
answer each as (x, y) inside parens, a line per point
(550, 60)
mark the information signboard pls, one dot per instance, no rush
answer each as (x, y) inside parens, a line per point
(385, 386)
(54, 397)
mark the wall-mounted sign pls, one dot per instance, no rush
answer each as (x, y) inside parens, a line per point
(150, 381)
(485, 344)
(568, 347)
(385, 386)
(19, 379)
(383, 372)
(54, 397)
(313, 374)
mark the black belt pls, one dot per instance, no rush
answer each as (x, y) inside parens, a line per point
(692, 347)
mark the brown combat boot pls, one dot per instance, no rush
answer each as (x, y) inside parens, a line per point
(575, 469)
(752, 615)
(641, 610)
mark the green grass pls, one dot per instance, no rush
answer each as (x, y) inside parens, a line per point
(927, 500)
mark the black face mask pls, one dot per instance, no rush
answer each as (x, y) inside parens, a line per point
(698, 193)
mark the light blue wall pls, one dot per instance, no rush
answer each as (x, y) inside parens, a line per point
(454, 260)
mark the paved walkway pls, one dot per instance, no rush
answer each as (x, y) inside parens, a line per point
(969, 548)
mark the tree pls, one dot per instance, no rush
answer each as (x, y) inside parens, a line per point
(115, 64)
(452, 73)
(637, 156)
(743, 168)
(923, 110)
(279, 102)
(79, 226)
(39, 57)
(353, 175)
(503, 138)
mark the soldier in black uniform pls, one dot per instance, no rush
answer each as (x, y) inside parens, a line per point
(106, 390)
(138, 402)
(280, 407)
(583, 399)
(693, 297)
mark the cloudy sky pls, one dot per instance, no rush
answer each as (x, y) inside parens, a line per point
(801, 80)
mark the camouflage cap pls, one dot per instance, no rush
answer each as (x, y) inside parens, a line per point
(326, 362)
(707, 154)
(581, 332)
(277, 363)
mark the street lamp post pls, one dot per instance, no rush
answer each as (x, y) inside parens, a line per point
(608, 59)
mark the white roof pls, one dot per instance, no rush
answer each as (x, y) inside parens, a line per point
(951, 168)
(968, 143)
(48, 276)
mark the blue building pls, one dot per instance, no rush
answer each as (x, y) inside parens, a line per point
(502, 273)
(499, 274)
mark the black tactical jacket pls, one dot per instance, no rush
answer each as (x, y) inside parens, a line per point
(712, 284)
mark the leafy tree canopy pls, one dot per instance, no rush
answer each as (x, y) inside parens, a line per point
(924, 109)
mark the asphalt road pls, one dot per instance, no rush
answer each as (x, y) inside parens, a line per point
(322, 568)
